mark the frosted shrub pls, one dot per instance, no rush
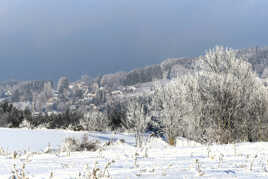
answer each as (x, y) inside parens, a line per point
(222, 101)
(71, 145)
(3, 152)
(231, 98)
(18, 172)
(25, 124)
(137, 117)
(97, 172)
(197, 167)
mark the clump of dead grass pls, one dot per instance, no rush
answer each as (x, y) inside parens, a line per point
(84, 144)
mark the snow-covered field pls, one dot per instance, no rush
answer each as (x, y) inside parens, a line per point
(123, 160)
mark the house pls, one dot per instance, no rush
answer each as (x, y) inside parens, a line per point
(116, 92)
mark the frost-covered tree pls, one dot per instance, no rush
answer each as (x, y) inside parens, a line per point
(85, 78)
(171, 107)
(137, 118)
(265, 73)
(94, 120)
(48, 89)
(222, 101)
(40, 99)
(231, 98)
(63, 84)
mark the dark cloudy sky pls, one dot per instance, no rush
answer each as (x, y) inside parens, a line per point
(45, 39)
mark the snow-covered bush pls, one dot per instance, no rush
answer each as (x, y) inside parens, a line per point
(72, 144)
(231, 98)
(222, 101)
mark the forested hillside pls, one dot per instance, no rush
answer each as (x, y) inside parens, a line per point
(217, 97)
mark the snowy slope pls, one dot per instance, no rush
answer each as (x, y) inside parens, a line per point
(36, 140)
(156, 160)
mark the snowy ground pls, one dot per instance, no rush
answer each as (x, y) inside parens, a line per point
(156, 160)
